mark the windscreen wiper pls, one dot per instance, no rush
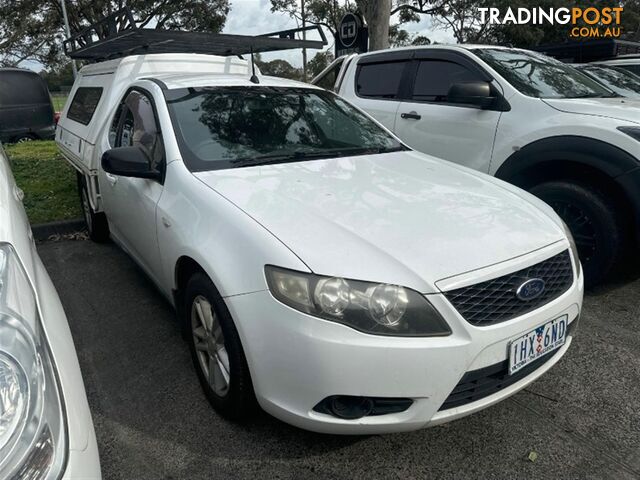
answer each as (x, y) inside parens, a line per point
(596, 95)
(296, 156)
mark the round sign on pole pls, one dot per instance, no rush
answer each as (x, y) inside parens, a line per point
(348, 30)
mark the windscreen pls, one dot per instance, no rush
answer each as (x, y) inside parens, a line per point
(22, 88)
(229, 127)
(539, 76)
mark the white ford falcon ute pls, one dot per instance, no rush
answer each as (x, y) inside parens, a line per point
(319, 266)
(46, 430)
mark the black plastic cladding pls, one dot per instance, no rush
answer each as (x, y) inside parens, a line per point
(481, 383)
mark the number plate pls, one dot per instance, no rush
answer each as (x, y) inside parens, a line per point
(538, 342)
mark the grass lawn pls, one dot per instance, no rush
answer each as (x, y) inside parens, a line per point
(48, 181)
(58, 101)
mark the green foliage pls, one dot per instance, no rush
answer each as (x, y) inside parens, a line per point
(319, 62)
(48, 181)
(58, 78)
(32, 29)
(318, 12)
(278, 68)
(401, 38)
(463, 19)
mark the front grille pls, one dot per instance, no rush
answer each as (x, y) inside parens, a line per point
(495, 300)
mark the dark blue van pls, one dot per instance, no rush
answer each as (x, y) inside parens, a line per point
(26, 111)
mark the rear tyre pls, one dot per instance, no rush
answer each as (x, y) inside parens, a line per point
(216, 351)
(96, 222)
(593, 220)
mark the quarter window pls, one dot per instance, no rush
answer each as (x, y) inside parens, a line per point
(435, 77)
(379, 80)
(84, 104)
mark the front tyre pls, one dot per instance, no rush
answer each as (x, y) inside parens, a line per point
(216, 350)
(96, 222)
(592, 218)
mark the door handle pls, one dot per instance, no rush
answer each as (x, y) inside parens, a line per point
(411, 115)
(111, 178)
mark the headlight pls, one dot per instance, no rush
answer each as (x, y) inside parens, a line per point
(376, 308)
(32, 428)
(633, 132)
(577, 266)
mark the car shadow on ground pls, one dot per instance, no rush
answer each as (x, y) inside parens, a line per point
(153, 421)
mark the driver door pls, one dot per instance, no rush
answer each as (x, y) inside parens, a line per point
(428, 123)
(130, 203)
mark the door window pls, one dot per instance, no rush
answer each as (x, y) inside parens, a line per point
(135, 125)
(379, 80)
(435, 77)
(632, 68)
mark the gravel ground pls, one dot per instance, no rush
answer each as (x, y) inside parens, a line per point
(582, 419)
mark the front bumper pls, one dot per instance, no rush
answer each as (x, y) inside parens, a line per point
(297, 360)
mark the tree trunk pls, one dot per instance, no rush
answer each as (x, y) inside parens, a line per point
(377, 15)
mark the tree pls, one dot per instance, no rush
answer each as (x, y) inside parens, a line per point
(32, 29)
(57, 78)
(278, 68)
(326, 13)
(377, 13)
(319, 62)
(463, 19)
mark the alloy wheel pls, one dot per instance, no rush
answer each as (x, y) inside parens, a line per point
(208, 340)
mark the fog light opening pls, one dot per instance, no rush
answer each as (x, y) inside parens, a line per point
(351, 407)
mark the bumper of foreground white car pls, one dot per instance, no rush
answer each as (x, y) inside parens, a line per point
(297, 360)
(82, 460)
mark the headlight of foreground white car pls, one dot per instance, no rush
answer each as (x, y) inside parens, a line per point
(376, 308)
(32, 424)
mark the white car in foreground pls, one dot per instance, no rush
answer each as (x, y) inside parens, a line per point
(46, 430)
(320, 266)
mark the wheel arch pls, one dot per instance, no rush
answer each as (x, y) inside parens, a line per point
(572, 158)
(589, 154)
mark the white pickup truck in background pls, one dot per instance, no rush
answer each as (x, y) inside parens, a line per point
(520, 116)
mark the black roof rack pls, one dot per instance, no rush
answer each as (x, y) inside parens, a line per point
(117, 35)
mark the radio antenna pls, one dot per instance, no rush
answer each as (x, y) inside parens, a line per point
(254, 77)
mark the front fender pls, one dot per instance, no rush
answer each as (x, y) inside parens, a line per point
(230, 246)
(596, 154)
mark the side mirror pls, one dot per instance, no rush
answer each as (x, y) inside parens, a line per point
(471, 93)
(128, 162)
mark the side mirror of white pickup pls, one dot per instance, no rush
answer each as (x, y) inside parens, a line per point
(128, 162)
(471, 93)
